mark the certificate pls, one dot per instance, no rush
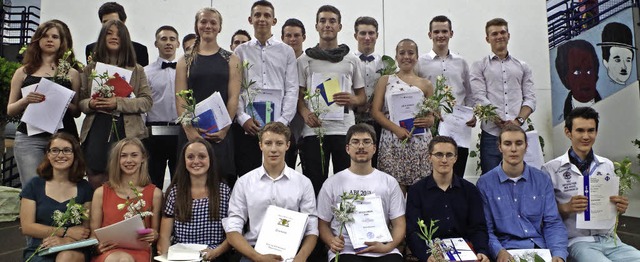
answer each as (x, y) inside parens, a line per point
(403, 107)
(124, 233)
(47, 115)
(369, 223)
(328, 85)
(533, 156)
(601, 212)
(459, 250)
(281, 233)
(455, 125)
(267, 105)
(212, 114)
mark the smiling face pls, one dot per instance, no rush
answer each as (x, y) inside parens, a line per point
(60, 154)
(440, 34)
(619, 65)
(262, 19)
(498, 38)
(366, 35)
(208, 25)
(512, 146)
(273, 146)
(167, 43)
(50, 41)
(581, 75)
(361, 148)
(131, 159)
(328, 26)
(406, 55)
(197, 159)
(113, 39)
(582, 135)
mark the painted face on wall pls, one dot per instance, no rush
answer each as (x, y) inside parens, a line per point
(619, 65)
(581, 76)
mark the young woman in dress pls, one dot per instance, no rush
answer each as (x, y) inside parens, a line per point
(408, 162)
(111, 119)
(59, 180)
(41, 59)
(208, 69)
(195, 204)
(127, 164)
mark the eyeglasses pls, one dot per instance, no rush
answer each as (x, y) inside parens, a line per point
(365, 143)
(54, 151)
(440, 155)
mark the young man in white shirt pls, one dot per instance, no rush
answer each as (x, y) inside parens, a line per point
(365, 180)
(275, 184)
(326, 62)
(568, 171)
(441, 61)
(273, 68)
(162, 143)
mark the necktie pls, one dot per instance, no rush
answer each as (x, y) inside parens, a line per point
(168, 64)
(366, 58)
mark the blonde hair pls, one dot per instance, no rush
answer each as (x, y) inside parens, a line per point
(113, 166)
(189, 58)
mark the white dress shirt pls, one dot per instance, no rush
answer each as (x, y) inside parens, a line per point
(256, 190)
(163, 91)
(454, 68)
(369, 72)
(273, 66)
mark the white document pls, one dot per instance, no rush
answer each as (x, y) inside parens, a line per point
(47, 115)
(543, 253)
(111, 70)
(328, 84)
(185, 252)
(281, 233)
(533, 156)
(403, 107)
(601, 213)
(212, 113)
(32, 130)
(455, 125)
(459, 250)
(369, 223)
(124, 233)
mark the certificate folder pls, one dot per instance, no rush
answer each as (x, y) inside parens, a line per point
(124, 233)
(281, 233)
(328, 88)
(263, 112)
(70, 246)
(459, 250)
(408, 125)
(212, 114)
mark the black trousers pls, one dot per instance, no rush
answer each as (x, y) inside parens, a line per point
(460, 166)
(162, 151)
(334, 147)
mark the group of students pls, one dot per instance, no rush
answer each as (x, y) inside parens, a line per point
(212, 198)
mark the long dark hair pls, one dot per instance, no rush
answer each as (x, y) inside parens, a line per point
(126, 55)
(182, 183)
(33, 56)
(77, 169)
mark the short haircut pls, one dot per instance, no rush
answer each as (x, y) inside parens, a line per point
(365, 20)
(293, 22)
(167, 28)
(77, 169)
(407, 40)
(276, 128)
(442, 19)
(562, 59)
(264, 3)
(581, 112)
(331, 9)
(496, 22)
(240, 32)
(188, 37)
(361, 128)
(112, 7)
(511, 128)
(443, 139)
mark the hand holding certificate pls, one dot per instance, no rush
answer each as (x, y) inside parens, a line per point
(601, 212)
(281, 233)
(455, 125)
(369, 223)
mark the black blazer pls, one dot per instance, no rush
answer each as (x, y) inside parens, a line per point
(142, 56)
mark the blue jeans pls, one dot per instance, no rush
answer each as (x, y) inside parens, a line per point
(490, 156)
(29, 152)
(602, 250)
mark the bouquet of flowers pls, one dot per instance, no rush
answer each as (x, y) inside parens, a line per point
(104, 89)
(135, 205)
(344, 212)
(436, 248)
(627, 179)
(527, 257)
(442, 98)
(248, 93)
(188, 116)
(486, 113)
(389, 66)
(318, 111)
(60, 75)
(74, 215)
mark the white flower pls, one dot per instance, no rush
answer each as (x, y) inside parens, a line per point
(121, 206)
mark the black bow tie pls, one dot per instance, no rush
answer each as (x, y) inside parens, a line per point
(168, 64)
(366, 58)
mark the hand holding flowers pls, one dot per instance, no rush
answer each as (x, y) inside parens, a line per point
(343, 213)
(436, 248)
(188, 116)
(442, 99)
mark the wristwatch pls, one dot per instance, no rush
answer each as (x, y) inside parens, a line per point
(520, 120)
